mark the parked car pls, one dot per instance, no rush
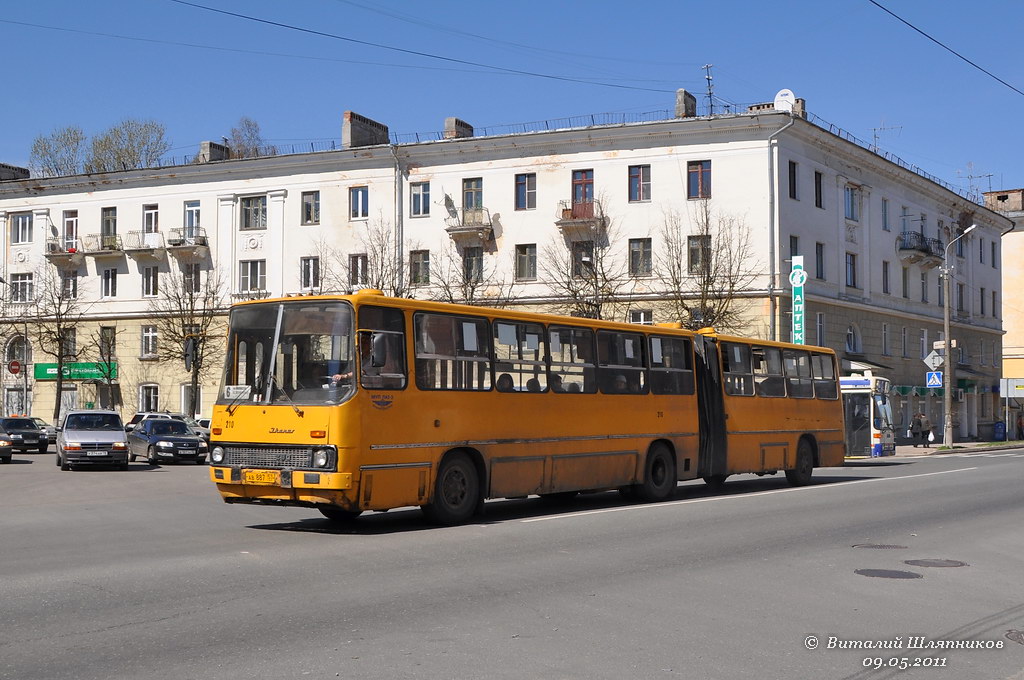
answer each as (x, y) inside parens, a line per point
(50, 430)
(24, 434)
(146, 415)
(92, 437)
(166, 440)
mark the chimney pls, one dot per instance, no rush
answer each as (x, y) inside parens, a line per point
(686, 104)
(212, 151)
(457, 129)
(359, 130)
(12, 172)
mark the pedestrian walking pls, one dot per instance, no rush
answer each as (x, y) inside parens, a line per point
(915, 429)
(926, 431)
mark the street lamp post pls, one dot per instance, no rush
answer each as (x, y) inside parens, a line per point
(947, 374)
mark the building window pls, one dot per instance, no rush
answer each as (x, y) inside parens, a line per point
(108, 285)
(885, 277)
(311, 207)
(639, 183)
(960, 298)
(69, 344)
(526, 261)
(819, 328)
(924, 349)
(191, 277)
(853, 339)
(252, 276)
(794, 248)
(419, 267)
(473, 193)
(885, 215)
(21, 228)
(108, 342)
(981, 298)
(150, 219)
(526, 191)
(419, 199)
(150, 281)
(69, 285)
(905, 282)
(924, 286)
(793, 188)
(922, 222)
(819, 261)
(254, 212)
(186, 399)
(698, 183)
(851, 270)
(149, 397)
(644, 317)
(904, 219)
(995, 306)
(70, 235)
(885, 339)
(941, 297)
(819, 197)
(473, 263)
(191, 219)
(959, 242)
(359, 203)
(149, 341)
(981, 250)
(639, 257)
(358, 274)
(903, 342)
(852, 203)
(698, 253)
(22, 288)
(583, 260)
(108, 221)
(309, 272)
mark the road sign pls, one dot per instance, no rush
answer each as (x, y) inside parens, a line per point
(933, 379)
(14, 367)
(797, 278)
(933, 360)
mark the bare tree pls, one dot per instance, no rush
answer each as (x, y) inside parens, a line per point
(706, 267)
(188, 314)
(466, 277)
(104, 342)
(383, 270)
(247, 141)
(60, 153)
(128, 145)
(54, 316)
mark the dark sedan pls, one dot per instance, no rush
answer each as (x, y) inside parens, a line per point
(162, 440)
(24, 434)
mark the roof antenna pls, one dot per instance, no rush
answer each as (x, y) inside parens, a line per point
(711, 89)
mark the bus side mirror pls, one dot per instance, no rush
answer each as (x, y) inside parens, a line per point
(380, 350)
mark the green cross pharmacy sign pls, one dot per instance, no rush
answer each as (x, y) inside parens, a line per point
(85, 370)
(797, 279)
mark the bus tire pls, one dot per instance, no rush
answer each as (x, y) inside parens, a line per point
(715, 481)
(338, 515)
(801, 474)
(659, 481)
(456, 491)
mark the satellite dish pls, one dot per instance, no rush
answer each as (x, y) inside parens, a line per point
(784, 101)
(449, 205)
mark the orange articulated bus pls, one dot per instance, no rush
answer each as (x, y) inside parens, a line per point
(364, 402)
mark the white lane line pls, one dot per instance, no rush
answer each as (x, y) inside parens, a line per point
(753, 494)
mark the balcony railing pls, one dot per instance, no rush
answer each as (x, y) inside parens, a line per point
(583, 216)
(187, 237)
(97, 244)
(140, 240)
(915, 247)
(470, 222)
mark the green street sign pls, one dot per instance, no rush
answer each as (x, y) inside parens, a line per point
(82, 370)
(797, 279)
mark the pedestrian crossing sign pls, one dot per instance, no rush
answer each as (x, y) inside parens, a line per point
(934, 379)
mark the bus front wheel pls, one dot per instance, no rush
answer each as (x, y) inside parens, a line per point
(801, 474)
(659, 481)
(456, 491)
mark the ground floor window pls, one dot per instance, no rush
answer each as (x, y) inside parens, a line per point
(149, 397)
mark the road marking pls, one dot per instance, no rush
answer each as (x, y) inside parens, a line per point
(753, 494)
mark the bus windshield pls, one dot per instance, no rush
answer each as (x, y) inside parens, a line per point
(882, 413)
(298, 352)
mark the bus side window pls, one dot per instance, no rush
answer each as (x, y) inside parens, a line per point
(798, 373)
(382, 353)
(572, 358)
(768, 378)
(452, 352)
(825, 383)
(671, 365)
(519, 353)
(736, 369)
(621, 363)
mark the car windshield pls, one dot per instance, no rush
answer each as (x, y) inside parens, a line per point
(93, 421)
(289, 353)
(40, 422)
(17, 424)
(168, 427)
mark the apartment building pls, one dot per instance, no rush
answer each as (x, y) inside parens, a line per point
(584, 219)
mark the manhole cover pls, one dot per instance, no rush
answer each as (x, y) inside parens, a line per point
(886, 573)
(936, 563)
(880, 546)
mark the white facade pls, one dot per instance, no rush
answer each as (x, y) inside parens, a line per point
(789, 182)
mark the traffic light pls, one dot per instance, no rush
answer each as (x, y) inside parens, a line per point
(191, 350)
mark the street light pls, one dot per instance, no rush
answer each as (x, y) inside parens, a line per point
(947, 375)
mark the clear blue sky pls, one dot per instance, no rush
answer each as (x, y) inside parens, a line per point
(199, 71)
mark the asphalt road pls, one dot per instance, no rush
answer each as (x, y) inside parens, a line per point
(145, 574)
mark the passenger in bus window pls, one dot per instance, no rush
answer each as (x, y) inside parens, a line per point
(555, 381)
(619, 384)
(573, 387)
(533, 385)
(505, 383)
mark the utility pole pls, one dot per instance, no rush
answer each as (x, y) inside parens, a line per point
(711, 89)
(947, 372)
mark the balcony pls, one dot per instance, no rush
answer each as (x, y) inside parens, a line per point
(244, 295)
(188, 242)
(102, 245)
(64, 252)
(143, 243)
(580, 219)
(469, 223)
(915, 248)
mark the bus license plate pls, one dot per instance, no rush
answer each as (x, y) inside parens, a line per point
(266, 477)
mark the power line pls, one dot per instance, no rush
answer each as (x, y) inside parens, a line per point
(416, 53)
(945, 47)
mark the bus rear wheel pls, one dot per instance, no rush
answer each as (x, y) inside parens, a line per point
(659, 481)
(339, 515)
(456, 491)
(801, 474)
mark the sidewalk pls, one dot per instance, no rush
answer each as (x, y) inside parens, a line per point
(958, 447)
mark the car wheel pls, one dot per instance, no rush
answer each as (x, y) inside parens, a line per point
(151, 456)
(201, 460)
(64, 464)
(43, 448)
(6, 459)
(131, 457)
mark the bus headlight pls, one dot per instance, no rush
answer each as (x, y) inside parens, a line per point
(321, 458)
(217, 455)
